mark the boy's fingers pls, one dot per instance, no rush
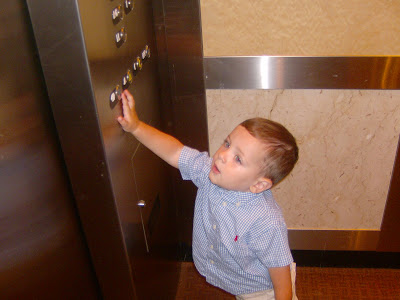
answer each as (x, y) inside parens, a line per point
(129, 97)
(121, 121)
(125, 106)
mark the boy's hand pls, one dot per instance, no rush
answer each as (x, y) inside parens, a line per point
(129, 120)
(163, 145)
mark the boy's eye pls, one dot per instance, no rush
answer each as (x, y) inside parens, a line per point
(226, 144)
(237, 159)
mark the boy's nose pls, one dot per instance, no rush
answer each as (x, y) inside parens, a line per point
(222, 155)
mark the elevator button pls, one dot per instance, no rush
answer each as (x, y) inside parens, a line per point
(128, 5)
(137, 64)
(117, 14)
(146, 53)
(127, 79)
(115, 96)
(120, 37)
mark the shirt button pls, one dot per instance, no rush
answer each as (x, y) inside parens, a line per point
(212, 262)
(212, 247)
(238, 204)
(214, 226)
(224, 203)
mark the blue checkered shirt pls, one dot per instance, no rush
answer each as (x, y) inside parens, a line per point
(237, 236)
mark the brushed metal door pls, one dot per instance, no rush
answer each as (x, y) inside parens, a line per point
(43, 253)
(84, 59)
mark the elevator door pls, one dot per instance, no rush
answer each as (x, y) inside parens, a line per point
(90, 52)
(43, 253)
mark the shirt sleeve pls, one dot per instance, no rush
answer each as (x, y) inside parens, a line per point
(194, 165)
(271, 246)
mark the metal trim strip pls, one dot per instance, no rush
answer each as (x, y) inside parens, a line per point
(281, 72)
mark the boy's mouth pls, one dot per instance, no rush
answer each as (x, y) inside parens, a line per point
(215, 169)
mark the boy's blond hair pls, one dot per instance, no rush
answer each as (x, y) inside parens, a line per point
(281, 149)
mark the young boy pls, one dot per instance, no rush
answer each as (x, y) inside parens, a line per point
(239, 235)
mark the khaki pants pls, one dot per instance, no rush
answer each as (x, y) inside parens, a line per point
(269, 294)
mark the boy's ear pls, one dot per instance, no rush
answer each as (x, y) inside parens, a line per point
(261, 185)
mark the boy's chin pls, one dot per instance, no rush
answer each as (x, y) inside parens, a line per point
(211, 176)
(214, 180)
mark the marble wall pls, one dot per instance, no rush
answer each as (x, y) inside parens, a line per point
(347, 141)
(301, 27)
(347, 138)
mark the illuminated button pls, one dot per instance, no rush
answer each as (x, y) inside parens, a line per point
(214, 226)
(127, 79)
(224, 203)
(117, 14)
(146, 53)
(128, 5)
(115, 96)
(137, 64)
(120, 37)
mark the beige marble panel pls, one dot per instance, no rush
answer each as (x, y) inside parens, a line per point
(347, 141)
(301, 27)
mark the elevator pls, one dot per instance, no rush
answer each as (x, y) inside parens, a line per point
(85, 210)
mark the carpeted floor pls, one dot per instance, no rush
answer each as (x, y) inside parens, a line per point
(312, 283)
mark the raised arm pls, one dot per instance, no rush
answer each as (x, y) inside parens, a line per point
(163, 145)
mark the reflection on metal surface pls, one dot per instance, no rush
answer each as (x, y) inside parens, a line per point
(274, 72)
(335, 240)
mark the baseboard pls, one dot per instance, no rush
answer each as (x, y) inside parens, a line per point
(325, 259)
(346, 259)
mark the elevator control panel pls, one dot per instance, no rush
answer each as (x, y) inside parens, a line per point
(118, 13)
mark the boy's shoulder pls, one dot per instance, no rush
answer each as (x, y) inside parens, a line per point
(262, 211)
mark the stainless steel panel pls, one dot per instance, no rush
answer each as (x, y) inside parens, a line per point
(135, 173)
(109, 170)
(43, 254)
(274, 72)
(63, 57)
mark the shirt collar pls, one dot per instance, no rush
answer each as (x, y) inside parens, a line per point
(240, 198)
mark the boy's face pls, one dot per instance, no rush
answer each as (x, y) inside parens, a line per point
(237, 163)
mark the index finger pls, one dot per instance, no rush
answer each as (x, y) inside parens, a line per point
(129, 97)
